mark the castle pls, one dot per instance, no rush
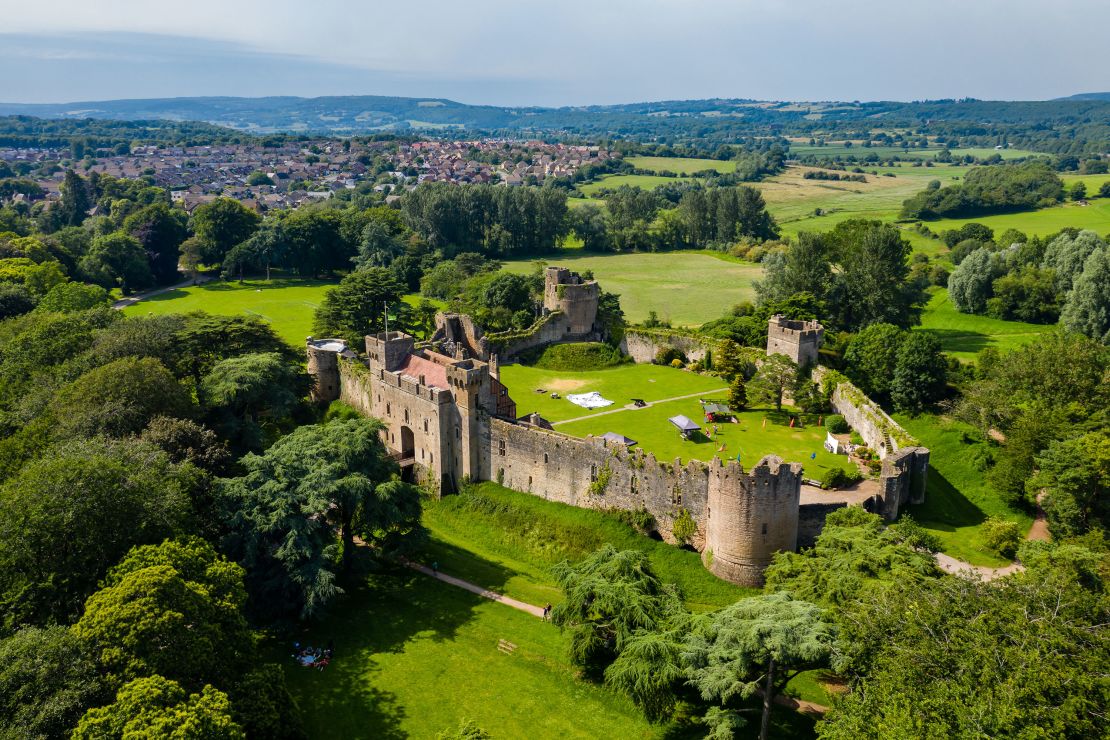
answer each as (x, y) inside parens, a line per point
(798, 340)
(448, 419)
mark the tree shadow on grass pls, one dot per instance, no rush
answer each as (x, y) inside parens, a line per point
(945, 508)
(960, 340)
(167, 296)
(463, 563)
(381, 614)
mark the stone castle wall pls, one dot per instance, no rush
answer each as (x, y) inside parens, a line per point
(644, 346)
(798, 340)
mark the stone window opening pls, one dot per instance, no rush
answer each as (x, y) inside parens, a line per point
(529, 483)
(425, 426)
(593, 473)
(545, 458)
(501, 447)
(388, 410)
(431, 459)
(633, 484)
(764, 528)
(406, 416)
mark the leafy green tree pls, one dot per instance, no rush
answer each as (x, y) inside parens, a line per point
(1067, 254)
(118, 399)
(175, 610)
(99, 498)
(15, 300)
(738, 394)
(47, 681)
(117, 260)
(805, 267)
(379, 244)
(920, 374)
(160, 230)
(314, 484)
(157, 707)
(1075, 476)
(204, 340)
(776, 377)
(1087, 309)
(650, 669)
(75, 202)
(251, 394)
(609, 597)
(467, 730)
(184, 440)
(356, 307)
(854, 554)
(757, 645)
(1078, 191)
(73, 297)
(1027, 294)
(871, 358)
(222, 224)
(969, 287)
(955, 657)
(1002, 535)
(872, 285)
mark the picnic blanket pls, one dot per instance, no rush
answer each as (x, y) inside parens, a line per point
(592, 400)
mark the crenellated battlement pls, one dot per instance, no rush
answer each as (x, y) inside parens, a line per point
(798, 340)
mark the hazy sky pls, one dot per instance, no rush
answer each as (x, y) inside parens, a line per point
(557, 52)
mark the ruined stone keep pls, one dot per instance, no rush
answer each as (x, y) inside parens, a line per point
(798, 340)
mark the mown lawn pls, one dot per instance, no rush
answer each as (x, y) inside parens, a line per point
(688, 288)
(748, 438)
(508, 541)
(964, 335)
(619, 384)
(957, 498)
(1094, 216)
(288, 304)
(415, 656)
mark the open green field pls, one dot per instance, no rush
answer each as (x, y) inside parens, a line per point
(748, 438)
(415, 656)
(834, 149)
(508, 541)
(289, 305)
(1092, 182)
(618, 384)
(681, 165)
(689, 288)
(957, 498)
(963, 335)
(612, 182)
(1094, 216)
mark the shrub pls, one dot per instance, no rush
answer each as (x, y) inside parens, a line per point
(640, 519)
(677, 363)
(667, 356)
(836, 424)
(1002, 535)
(576, 357)
(684, 527)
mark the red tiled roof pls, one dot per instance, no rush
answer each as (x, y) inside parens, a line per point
(434, 374)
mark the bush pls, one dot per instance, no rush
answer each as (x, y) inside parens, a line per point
(836, 424)
(640, 519)
(1002, 535)
(575, 357)
(677, 363)
(684, 527)
(667, 356)
(836, 478)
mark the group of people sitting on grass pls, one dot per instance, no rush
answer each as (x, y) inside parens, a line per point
(311, 657)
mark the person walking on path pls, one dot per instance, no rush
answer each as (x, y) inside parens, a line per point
(546, 612)
(435, 568)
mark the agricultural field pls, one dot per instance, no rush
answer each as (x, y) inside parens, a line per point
(612, 182)
(688, 288)
(1094, 216)
(963, 335)
(838, 149)
(681, 165)
(287, 304)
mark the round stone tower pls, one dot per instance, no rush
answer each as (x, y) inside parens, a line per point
(750, 517)
(323, 367)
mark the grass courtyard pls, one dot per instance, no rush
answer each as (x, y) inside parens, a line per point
(288, 304)
(749, 438)
(689, 288)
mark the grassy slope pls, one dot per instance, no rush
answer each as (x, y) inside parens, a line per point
(415, 656)
(963, 335)
(513, 550)
(612, 182)
(288, 304)
(1094, 216)
(689, 288)
(619, 385)
(957, 499)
